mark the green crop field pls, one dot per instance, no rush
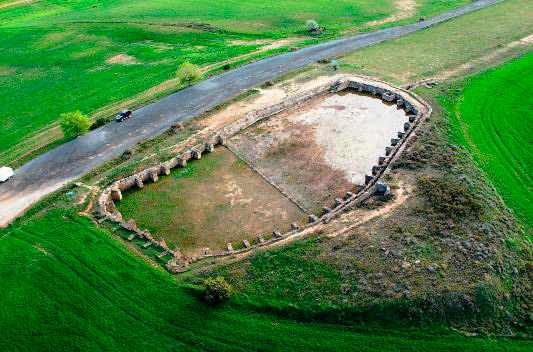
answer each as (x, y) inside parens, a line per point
(66, 283)
(447, 45)
(56, 53)
(492, 115)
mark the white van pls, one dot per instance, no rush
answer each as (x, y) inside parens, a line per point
(5, 173)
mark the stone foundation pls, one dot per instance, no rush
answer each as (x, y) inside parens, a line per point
(412, 103)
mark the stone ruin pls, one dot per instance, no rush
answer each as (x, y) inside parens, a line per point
(418, 109)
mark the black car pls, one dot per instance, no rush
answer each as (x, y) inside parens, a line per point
(123, 115)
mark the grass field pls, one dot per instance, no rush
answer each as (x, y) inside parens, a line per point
(61, 55)
(447, 45)
(65, 284)
(215, 200)
(492, 115)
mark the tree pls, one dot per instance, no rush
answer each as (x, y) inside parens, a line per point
(217, 290)
(312, 26)
(74, 124)
(188, 72)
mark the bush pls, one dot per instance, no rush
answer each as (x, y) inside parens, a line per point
(188, 72)
(98, 123)
(74, 124)
(217, 290)
(312, 26)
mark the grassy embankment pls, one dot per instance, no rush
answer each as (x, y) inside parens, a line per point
(66, 283)
(55, 54)
(492, 115)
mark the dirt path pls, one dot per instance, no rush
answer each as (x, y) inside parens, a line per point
(347, 221)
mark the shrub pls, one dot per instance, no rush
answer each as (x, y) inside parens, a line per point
(312, 26)
(449, 199)
(217, 290)
(188, 72)
(98, 123)
(74, 124)
(226, 67)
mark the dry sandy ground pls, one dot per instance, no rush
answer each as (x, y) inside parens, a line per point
(406, 8)
(318, 151)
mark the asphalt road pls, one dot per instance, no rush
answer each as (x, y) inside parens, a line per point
(69, 161)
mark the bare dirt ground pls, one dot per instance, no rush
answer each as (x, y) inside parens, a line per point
(406, 8)
(318, 151)
(122, 59)
(217, 200)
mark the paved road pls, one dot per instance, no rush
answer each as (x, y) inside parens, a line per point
(67, 162)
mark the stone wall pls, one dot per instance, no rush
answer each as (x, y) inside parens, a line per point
(419, 110)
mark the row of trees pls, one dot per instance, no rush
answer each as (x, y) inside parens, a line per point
(75, 123)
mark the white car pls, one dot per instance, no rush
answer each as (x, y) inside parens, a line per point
(5, 173)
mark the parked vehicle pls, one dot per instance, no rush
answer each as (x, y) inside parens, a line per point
(5, 173)
(123, 115)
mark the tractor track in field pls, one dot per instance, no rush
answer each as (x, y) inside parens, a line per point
(71, 160)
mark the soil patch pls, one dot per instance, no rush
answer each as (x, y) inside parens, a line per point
(213, 201)
(122, 59)
(317, 151)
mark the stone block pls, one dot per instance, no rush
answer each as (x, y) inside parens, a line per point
(229, 247)
(368, 179)
(139, 182)
(196, 154)
(162, 254)
(260, 239)
(246, 243)
(412, 118)
(165, 170)
(153, 176)
(375, 170)
(116, 195)
(394, 142)
(209, 147)
(388, 96)
(207, 251)
(348, 195)
(338, 202)
(388, 150)
(382, 188)
(381, 160)
(326, 210)
(277, 234)
(295, 226)
(400, 102)
(147, 244)
(401, 134)
(406, 126)
(182, 162)
(312, 219)
(132, 236)
(221, 139)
